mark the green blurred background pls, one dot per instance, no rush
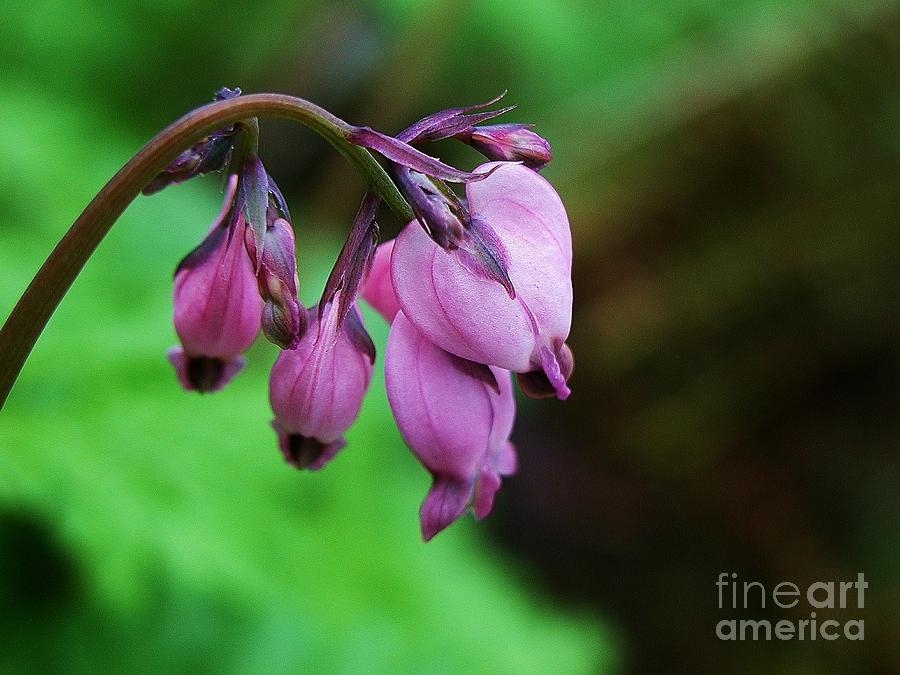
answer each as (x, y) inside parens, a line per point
(731, 173)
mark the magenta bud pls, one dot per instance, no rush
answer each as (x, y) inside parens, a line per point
(377, 288)
(456, 417)
(317, 388)
(283, 317)
(217, 308)
(472, 316)
(509, 143)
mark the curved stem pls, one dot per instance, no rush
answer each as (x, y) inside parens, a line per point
(31, 313)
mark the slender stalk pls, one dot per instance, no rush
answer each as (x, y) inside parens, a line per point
(46, 290)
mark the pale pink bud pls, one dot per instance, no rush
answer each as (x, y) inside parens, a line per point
(456, 416)
(217, 308)
(317, 388)
(376, 288)
(283, 316)
(473, 315)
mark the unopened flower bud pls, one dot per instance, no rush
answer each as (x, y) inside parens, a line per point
(509, 143)
(317, 388)
(217, 307)
(448, 222)
(456, 417)
(283, 318)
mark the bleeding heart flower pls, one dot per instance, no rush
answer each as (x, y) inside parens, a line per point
(468, 312)
(456, 416)
(317, 388)
(217, 308)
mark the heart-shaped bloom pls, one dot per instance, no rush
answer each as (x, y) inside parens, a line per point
(456, 416)
(472, 315)
(217, 308)
(317, 388)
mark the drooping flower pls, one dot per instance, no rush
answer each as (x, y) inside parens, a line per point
(217, 307)
(462, 308)
(317, 388)
(456, 416)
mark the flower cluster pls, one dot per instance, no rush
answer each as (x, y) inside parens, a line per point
(475, 288)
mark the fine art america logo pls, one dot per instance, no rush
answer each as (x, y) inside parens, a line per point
(744, 596)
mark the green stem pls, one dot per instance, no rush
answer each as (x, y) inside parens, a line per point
(46, 290)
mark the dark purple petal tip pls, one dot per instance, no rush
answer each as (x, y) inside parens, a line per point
(203, 373)
(304, 452)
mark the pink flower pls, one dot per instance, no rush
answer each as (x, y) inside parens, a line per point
(468, 313)
(377, 288)
(456, 417)
(317, 388)
(217, 308)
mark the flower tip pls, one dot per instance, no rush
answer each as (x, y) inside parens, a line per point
(284, 322)
(445, 502)
(551, 378)
(203, 373)
(305, 452)
(485, 488)
(507, 460)
(512, 142)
